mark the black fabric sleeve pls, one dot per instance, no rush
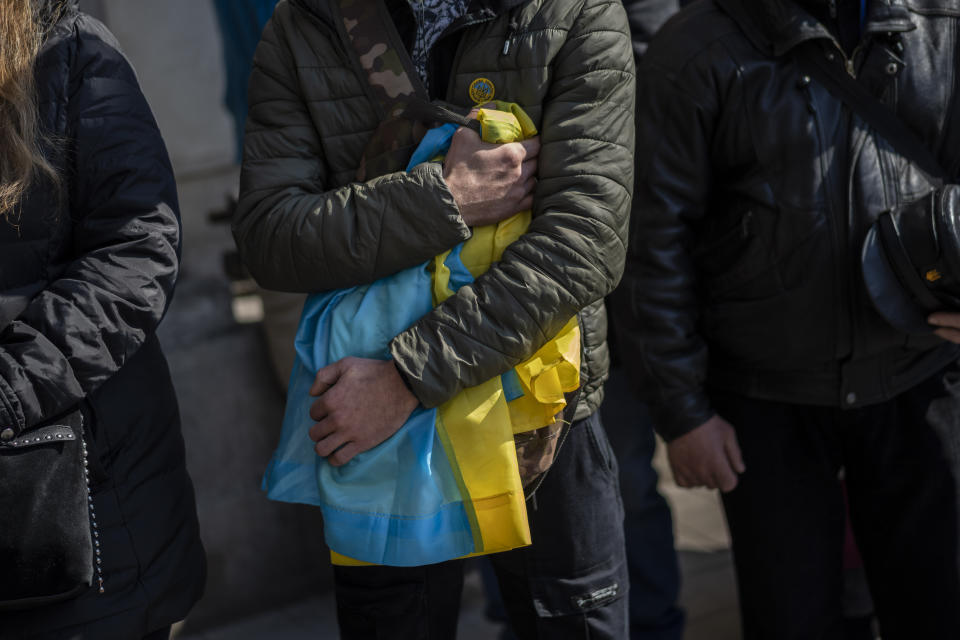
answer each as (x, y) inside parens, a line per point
(656, 308)
(83, 327)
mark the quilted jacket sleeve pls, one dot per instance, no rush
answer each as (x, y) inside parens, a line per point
(656, 307)
(85, 324)
(573, 252)
(294, 230)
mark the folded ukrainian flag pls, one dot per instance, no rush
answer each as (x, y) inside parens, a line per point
(446, 485)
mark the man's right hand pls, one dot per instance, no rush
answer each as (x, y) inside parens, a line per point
(490, 182)
(708, 456)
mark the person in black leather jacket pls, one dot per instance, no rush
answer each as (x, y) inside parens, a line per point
(744, 312)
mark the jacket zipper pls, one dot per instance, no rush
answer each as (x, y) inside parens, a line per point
(836, 221)
(849, 63)
(842, 235)
(458, 25)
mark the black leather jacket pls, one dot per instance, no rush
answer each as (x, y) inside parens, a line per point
(755, 189)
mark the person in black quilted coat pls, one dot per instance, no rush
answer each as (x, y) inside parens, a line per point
(89, 248)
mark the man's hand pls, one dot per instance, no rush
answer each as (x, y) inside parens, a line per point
(949, 323)
(707, 456)
(490, 182)
(360, 403)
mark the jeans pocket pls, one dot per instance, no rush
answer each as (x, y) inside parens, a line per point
(600, 587)
(600, 444)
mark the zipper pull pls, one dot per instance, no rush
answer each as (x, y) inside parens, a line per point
(850, 69)
(506, 46)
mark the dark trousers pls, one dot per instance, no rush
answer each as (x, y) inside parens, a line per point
(786, 516)
(648, 526)
(570, 583)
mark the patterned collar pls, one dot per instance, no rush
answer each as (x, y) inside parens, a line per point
(433, 17)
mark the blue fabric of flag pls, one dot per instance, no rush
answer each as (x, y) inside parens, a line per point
(398, 503)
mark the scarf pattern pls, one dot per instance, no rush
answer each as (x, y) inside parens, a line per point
(433, 17)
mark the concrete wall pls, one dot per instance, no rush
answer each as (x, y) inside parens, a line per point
(175, 48)
(260, 553)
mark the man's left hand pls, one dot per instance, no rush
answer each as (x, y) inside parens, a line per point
(948, 323)
(360, 403)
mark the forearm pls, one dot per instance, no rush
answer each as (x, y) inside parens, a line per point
(293, 236)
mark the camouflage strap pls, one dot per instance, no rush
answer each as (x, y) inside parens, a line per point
(392, 81)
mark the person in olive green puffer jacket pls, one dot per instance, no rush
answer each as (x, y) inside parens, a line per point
(305, 223)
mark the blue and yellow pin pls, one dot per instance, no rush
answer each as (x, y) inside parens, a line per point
(482, 91)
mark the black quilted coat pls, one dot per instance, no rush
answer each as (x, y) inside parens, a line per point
(86, 275)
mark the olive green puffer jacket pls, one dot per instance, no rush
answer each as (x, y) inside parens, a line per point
(304, 224)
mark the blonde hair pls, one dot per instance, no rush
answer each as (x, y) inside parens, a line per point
(21, 157)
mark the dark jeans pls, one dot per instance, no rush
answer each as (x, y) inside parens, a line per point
(786, 515)
(570, 583)
(648, 526)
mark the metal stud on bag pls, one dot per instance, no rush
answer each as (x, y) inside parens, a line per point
(94, 529)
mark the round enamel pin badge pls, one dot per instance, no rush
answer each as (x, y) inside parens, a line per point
(482, 91)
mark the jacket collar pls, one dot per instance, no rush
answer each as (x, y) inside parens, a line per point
(495, 7)
(778, 26)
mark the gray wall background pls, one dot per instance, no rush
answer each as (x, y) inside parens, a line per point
(175, 47)
(260, 553)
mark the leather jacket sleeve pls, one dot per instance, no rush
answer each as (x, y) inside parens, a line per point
(86, 323)
(572, 254)
(656, 307)
(295, 232)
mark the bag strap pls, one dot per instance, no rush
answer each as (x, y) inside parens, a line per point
(377, 46)
(904, 268)
(393, 85)
(882, 118)
(424, 111)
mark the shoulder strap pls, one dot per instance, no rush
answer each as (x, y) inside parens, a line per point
(884, 121)
(375, 42)
(392, 84)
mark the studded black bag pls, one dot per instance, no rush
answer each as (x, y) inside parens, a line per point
(48, 525)
(48, 531)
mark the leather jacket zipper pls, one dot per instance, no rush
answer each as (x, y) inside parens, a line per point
(849, 63)
(836, 220)
(842, 225)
